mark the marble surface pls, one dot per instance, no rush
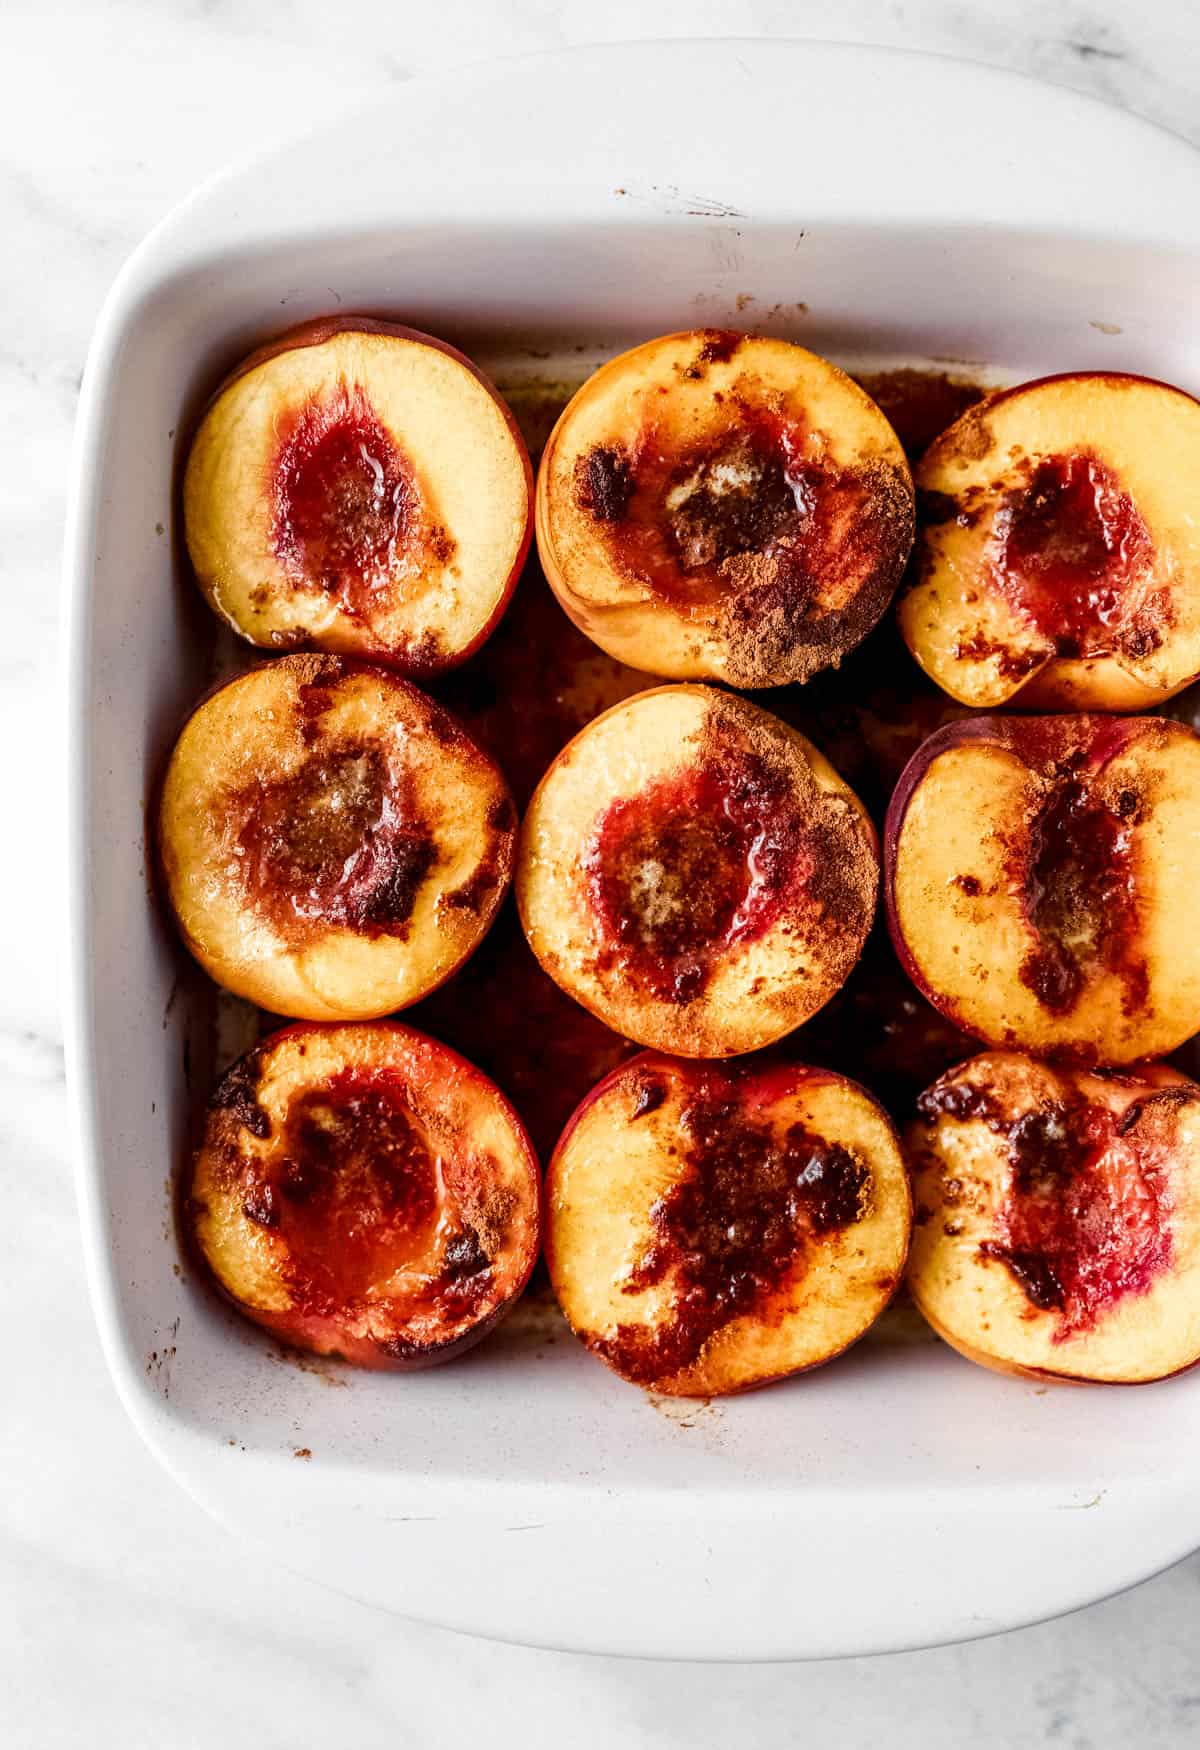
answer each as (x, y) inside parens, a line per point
(125, 1615)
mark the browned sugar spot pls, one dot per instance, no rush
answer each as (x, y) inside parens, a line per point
(237, 1094)
(604, 483)
(341, 840)
(733, 1229)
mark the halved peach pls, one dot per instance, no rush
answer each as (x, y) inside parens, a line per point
(717, 506)
(1039, 876)
(1059, 559)
(332, 843)
(711, 1228)
(363, 1191)
(359, 487)
(695, 873)
(1058, 1218)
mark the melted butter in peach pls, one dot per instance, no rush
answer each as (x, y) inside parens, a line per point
(346, 508)
(358, 1195)
(340, 841)
(1073, 552)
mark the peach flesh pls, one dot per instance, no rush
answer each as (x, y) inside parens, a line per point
(365, 1192)
(1054, 928)
(753, 1220)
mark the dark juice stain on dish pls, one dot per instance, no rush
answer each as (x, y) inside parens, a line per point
(733, 1228)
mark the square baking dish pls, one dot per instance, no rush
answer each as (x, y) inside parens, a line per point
(880, 207)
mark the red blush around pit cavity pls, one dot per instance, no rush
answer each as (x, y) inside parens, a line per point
(345, 503)
(1085, 1222)
(692, 865)
(1070, 551)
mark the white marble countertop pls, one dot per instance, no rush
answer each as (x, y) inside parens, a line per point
(125, 1615)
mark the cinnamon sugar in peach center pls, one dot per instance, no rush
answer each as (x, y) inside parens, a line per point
(734, 1227)
(1081, 894)
(695, 863)
(344, 496)
(339, 841)
(1085, 1220)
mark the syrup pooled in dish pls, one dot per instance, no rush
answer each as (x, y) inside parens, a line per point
(359, 487)
(718, 506)
(1058, 1217)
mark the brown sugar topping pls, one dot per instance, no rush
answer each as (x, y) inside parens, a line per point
(791, 557)
(339, 841)
(734, 1227)
(1084, 1220)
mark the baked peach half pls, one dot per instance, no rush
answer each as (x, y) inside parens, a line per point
(1058, 1218)
(359, 487)
(1039, 880)
(711, 1228)
(695, 873)
(332, 843)
(719, 506)
(363, 1191)
(1059, 556)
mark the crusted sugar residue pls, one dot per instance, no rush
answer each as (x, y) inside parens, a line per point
(237, 1094)
(734, 1229)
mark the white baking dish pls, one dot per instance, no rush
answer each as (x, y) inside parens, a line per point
(878, 206)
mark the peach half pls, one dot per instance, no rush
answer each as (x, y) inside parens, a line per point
(361, 488)
(711, 1228)
(1059, 555)
(717, 506)
(695, 873)
(363, 1191)
(331, 842)
(1039, 876)
(1058, 1218)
